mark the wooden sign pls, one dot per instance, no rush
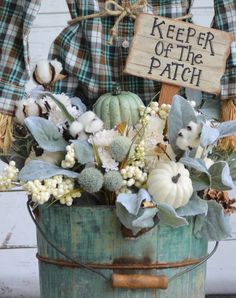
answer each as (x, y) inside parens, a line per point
(178, 53)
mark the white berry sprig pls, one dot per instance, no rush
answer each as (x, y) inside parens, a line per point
(8, 176)
(69, 160)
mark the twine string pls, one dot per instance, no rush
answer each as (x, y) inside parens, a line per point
(112, 8)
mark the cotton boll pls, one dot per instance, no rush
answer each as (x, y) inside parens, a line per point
(25, 108)
(43, 73)
(57, 66)
(32, 108)
(94, 126)
(91, 122)
(182, 143)
(20, 111)
(47, 72)
(75, 129)
(86, 118)
(189, 137)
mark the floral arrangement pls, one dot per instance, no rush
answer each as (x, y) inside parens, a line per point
(157, 164)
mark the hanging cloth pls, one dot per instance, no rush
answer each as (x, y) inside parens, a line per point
(91, 63)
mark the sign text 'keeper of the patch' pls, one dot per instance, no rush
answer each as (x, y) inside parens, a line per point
(178, 53)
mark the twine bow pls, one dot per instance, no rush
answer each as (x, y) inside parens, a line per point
(126, 10)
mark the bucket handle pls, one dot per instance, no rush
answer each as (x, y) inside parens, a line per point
(139, 281)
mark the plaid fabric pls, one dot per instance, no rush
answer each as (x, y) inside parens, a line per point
(92, 65)
(16, 17)
(225, 20)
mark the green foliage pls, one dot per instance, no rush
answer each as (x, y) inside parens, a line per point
(37, 169)
(83, 151)
(91, 180)
(113, 181)
(169, 217)
(220, 176)
(46, 134)
(215, 225)
(194, 207)
(130, 213)
(228, 156)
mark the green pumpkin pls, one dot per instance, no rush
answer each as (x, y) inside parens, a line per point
(117, 107)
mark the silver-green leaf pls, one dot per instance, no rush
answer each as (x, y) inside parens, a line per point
(37, 169)
(220, 176)
(169, 217)
(215, 225)
(195, 206)
(83, 151)
(46, 134)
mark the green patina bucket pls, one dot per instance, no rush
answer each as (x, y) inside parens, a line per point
(92, 235)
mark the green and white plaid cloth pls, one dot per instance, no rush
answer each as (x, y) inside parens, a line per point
(91, 64)
(16, 17)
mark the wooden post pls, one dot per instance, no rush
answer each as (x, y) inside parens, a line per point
(167, 93)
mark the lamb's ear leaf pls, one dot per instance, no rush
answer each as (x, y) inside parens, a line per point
(220, 176)
(46, 134)
(199, 173)
(211, 109)
(169, 217)
(195, 206)
(215, 225)
(209, 135)
(37, 169)
(83, 151)
(130, 213)
(226, 128)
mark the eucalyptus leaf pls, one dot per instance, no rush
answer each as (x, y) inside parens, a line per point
(168, 216)
(215, 225)
(83, 151)
(180, 115)
(209, 135)
(226, 128)
(46, 134)
(195, 206)
(37, 169)
(220, 176)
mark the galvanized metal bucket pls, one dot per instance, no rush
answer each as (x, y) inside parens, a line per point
(92, 236)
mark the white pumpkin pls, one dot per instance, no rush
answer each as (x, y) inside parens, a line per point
(170, 183)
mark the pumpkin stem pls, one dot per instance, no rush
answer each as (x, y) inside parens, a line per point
(116, 90)
(175, 179)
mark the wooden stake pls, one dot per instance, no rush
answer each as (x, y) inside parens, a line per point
(167, 93)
